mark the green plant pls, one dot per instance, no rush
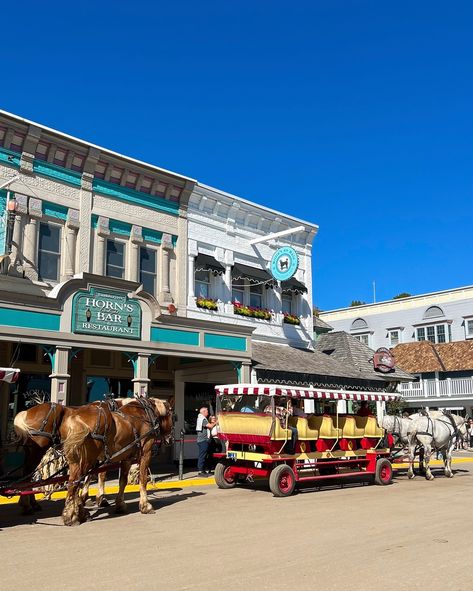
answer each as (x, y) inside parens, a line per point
(291, 319)
(251, 312)
(206, 303)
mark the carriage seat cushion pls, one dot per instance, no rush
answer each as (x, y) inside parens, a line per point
(245, 423)
(369, 426)
(349, 429)
(324, 425)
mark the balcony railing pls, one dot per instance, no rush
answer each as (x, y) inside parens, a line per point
(448, 388)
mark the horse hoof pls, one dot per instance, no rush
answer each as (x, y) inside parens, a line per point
(147, 509)
(411, 476)
(103, 502)
(121, 509)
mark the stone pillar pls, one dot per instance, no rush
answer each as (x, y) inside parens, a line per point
(245, 373)
(30, 241)
(72, 225)
(84, 261)
(165, 296)
(141, 380)
(103, 232)
(133, 267)
(16, 256)
(60, 377)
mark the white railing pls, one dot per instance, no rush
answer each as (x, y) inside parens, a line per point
(450, 387)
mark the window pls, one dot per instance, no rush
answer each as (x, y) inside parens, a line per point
(394, 337)
(49, 252)
(437, 333)
(287, 303)
(433, 312)
(359, 324)
(256, 296)
(202, 284)
(363, 338)
(469, 328)
(115, 263)
(238, 290)
(148, 269)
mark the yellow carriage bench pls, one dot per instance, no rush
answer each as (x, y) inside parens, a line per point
(268, 434)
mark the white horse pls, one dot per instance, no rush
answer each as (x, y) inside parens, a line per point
(398, 427)
(437, 434)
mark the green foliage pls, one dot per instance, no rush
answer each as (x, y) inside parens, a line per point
(404, 294)
(356, 303)
(395, 407)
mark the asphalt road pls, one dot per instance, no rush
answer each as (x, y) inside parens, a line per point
(407, 536)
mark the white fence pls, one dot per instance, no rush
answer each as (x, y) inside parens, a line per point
(451, 387)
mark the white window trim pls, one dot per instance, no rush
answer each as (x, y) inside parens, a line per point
(124, 241)
(246, 294)
(390, 331)
(467, 319)
(435, 325)
(51, 222)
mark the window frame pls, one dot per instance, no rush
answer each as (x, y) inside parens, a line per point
(198, 282)
(361, 336)
(390, 333)
(288, 296)
(468, 332)
(156, 262)
(434, 328)
(59, 226)
(116, 240)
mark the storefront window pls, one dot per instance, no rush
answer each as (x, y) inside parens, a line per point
(49, 252)
(99, 387)
(196, 396)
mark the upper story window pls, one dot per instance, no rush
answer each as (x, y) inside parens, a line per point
(238, 290)
(115, 261)
(148, 269)
(394, 337)
(202, 284)
(359, 324)
(469, 328)
(433, 312)
(49, 251)
(436, 333)
(256, 296)
(287, 303)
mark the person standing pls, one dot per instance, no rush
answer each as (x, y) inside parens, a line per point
(203, 428)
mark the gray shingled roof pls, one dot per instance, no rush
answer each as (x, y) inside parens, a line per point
(348, 350)
(285, 358)
(319, 323)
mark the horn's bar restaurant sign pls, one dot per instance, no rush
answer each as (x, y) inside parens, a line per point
(105, 312)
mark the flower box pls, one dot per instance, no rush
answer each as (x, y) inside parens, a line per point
(206, 303)
(251, 312)
(291, 319)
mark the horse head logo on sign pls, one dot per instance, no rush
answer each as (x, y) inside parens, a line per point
(383, 360)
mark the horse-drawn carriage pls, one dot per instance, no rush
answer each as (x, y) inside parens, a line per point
(266, 437)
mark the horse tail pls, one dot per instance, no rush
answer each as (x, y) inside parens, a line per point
(22, 429)
(74, 442)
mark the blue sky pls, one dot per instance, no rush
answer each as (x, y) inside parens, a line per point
(355, 115)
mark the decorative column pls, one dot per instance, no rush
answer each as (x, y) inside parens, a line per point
(103, 232)
(192, 252)
(72, 225)
(245, 373)
(166, 248)
(141, 380)
(30, 244)
(136, 239)
(16, 268)
(227, 281)
(60, 377)
(85, 216)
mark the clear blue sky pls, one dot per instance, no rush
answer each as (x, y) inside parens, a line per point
(355, 115)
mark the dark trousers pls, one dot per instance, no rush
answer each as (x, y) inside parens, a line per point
(203, 448)
(291, 445)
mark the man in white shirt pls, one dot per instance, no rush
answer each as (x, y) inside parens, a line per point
(203, 428)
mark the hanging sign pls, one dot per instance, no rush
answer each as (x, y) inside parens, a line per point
(105, 312)
(284, 263)
(383, 360)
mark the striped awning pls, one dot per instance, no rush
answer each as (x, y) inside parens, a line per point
(7, 374)
(314, 393)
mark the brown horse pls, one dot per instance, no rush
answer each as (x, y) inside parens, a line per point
(127, 436)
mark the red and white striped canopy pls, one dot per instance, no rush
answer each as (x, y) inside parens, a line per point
(8, 374)
(315, 393)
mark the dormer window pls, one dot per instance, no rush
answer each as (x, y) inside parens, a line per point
(433, 312)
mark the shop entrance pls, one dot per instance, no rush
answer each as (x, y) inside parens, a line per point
(197, 395)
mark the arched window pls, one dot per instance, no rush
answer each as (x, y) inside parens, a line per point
(359, 324)
(433, 312)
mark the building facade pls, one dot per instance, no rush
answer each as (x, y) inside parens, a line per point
(420, 330)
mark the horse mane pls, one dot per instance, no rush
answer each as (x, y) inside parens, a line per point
(162, 406)
(22, 429)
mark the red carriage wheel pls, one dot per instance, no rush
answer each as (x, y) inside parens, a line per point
(223, 475)
(384, 472)
(282, 481)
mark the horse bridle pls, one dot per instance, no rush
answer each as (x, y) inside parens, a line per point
(41, 432)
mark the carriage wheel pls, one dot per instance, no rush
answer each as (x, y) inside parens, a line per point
(223, 476)
(282, 481)
(384, 472)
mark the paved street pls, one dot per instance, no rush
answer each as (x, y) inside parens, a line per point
(411, 535)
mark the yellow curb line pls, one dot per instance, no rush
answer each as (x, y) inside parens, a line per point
(177, 484)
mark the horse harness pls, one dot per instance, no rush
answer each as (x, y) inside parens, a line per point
(455, 434)
(53, 435)
(95, 434)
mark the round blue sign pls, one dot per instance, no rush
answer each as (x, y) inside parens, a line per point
(284, 263)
